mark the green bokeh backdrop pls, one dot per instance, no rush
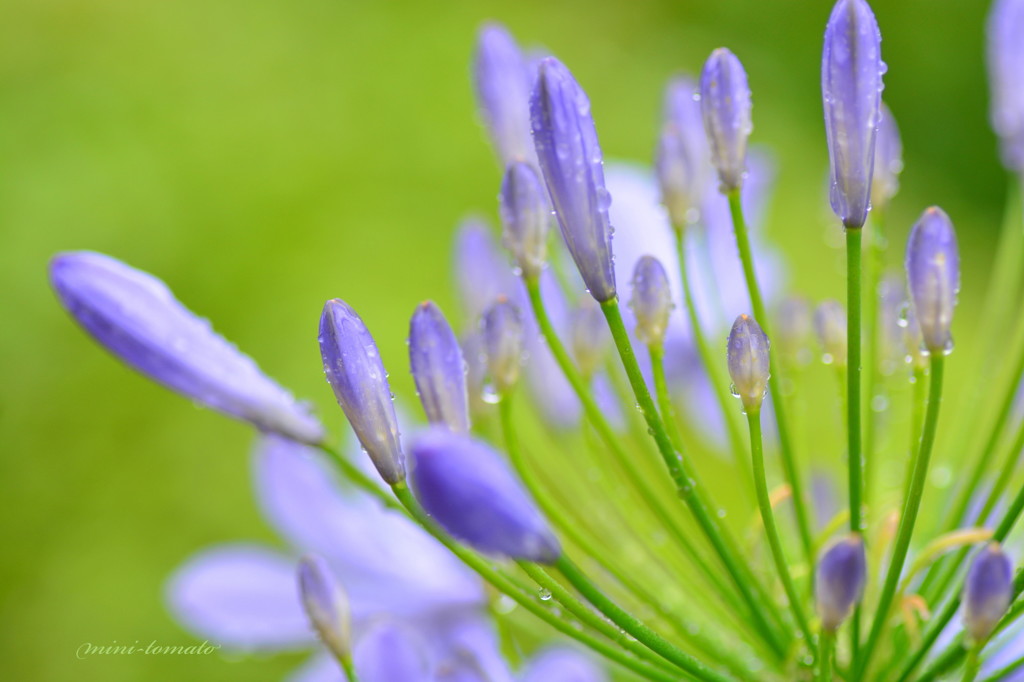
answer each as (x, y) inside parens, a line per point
(262, 156)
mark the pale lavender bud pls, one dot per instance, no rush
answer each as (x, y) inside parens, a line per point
(933, 276)
(725, 105)
(590, 336)
(793, 327)
(749, 364)
(438, 368)
(481, 269)
(839, 581)
(893, 303)
(525, 213)
(851, 87)
(354, 370)
(502, 81)
(651, 302)
(476, 370)
(1006, 79)
(830, 324)
(326, 605)
(502, 334)
(885, 181)
(570, 158)
(916, 354)
(468, 489)
(988, 590)
(136, 317)
(682, 160)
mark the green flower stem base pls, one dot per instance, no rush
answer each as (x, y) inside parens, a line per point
(826, 645)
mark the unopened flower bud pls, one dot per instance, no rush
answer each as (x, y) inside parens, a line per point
(438, 368)
(988, 591)
(326, 605)
(502, 335)
(502, 79)
(885, 180)
(749, 364)
(933, 276)
(525, 213)
(1005, 66)
(830, 324)
(682, 160)
(651, 301)
(590, 336)
(725, 105)
(793, 328)
(839, 581)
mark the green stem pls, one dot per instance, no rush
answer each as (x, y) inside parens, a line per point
(349, 669)
(657, 354)
(909, 516)
(873, 265)
(854, 453)
(634, 627)
(826, 643)
(778, 404)
(687, 486)
(973, 664)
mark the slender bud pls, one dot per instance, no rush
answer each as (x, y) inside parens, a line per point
(502, 79)
(988, 591)
(885, 180)
(354, 370)
(502, 333)
(749, 364)
(136, 317)
(1005, 66)
(467, 488)
(830, 324)
(651, 301)
(933, 276)
(326, 605)
(793, 329)
(525, 213)
(476, 370)
(851, 87)
(839, 581)
(438, 368)
(682, 160)
(590, 336)
(570, 158)
(725, 105)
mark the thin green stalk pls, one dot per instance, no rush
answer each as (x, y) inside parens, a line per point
(826, 644)
(919, 403)
(349, 669)
(908, 518)
(687, 486)
(778, 404)
(873, 266)
(973, 664)
(854, 453)
(768, 518)
(633, 626)
(657, 354)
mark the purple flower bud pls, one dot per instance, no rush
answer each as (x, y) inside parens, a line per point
(590, 336)
(988, 591)
(916, 355)
(502, 332)
(355, 372)
(525, 214)
(851, 87)
(481, 269)
(651, 302)
(438, 368)
(502, 80)
(570, 158)
(839, 581)
(933, 276)
(893, 300)
(136, 317)
(725, 105)
(830, 324)
(467, 488)
(476, 371)
(326, 605)
(885, 181)
(749, 364)
(1005, 66)
(682, 159)
(793, 327)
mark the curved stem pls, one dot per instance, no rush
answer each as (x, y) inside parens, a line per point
(908, 518)
(778, 404)
(768, 517)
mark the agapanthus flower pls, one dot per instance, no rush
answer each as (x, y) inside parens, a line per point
(885, 179)
(438, 368)
(988, 591)
(525, 214)
(501, 76)
(1005, 66)
(726, 108)
(933, 277)
(501, 330)
(839, 580)
(682, 159)
(749, 365)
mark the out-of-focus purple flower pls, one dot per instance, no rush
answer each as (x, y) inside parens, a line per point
(1006, 77)
(354, 370)
(651, 302)
(389, 652)
(682, 159)
(467, 488)
(326, 604)
(561, 664)
(830, 324)
(988, 590)
(839, 580)
(792, 328)
(476, 371)
(502, 81)
(726, 108)
(502, 333)
(851, 87)
(893, 301)
(885, 181)
(913, 343)
(590, 336)
(749, 365)
(438, 368)
(136, 317)
(525, 214)
(933, 276)
(570, 158)
(481, 269)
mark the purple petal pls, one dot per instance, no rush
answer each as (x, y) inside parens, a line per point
(1005, 65)
(561, 664)
(320, 668)
(389, 652)
(725, 106)
(481, 269)
(502, 81)
(438, 368)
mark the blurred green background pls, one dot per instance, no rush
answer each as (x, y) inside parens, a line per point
(262, 156)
